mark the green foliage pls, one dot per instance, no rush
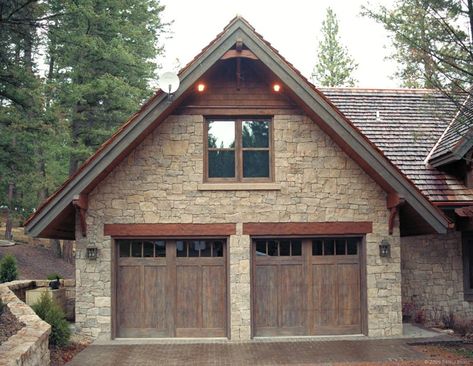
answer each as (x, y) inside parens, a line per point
(54, 276)
(100, 58)
(334, 65)
(8, 269)
(52, 314)
(104, 54)
(431, 43)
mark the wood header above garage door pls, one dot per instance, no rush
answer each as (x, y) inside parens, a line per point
(308, 228)
(168, 230)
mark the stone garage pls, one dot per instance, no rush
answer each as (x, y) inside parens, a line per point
(254, 204)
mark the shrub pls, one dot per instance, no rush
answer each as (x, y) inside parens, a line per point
(448, 320)
(420, 316)
(463, 327)
(51, 313)
(54, 276)
(8, 269)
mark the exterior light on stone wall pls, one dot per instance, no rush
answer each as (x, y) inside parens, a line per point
(384, 248)
(92, 252)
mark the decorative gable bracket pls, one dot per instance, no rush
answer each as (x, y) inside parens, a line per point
(81, 205)
(393, 202)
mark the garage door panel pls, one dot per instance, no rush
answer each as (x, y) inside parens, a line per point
(214, 297)
(165, 289)
(292, 295)
(315, 290)
(324, 294)
(349, 294)
(155, 281)
(189, 297)
(130, 310)
(266, 296)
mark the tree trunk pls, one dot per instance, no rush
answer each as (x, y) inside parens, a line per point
(470, 16)
(9, 221)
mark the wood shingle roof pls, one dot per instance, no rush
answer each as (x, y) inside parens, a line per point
(405, 124)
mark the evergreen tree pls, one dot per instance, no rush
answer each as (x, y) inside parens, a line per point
(102, 58)
(334, 66)
(21, 124)
(431, 42)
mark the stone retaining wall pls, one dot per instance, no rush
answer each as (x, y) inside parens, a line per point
(28, 347)
(432, 275)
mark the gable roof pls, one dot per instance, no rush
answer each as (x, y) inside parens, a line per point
(314, 103)
(457, 139)
(405, 124)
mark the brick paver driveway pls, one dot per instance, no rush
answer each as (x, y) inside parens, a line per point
(252, 353)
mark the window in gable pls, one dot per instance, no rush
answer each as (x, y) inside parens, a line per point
(238, 150)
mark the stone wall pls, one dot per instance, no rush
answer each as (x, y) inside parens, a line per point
(28, 347)
(160, 182)
(432, 275)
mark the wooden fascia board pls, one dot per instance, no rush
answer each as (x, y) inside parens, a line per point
(326, 112)
(444, 159)
(144, 120)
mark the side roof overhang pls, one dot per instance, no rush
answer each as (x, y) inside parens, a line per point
(457, 139)
(157, 108)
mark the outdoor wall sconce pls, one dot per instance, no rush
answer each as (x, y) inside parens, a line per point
(384, 249)
(92, 252)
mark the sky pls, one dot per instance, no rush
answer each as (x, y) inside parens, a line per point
(292, 27)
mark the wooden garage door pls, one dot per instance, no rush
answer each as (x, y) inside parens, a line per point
(306, 286)
(171, 288)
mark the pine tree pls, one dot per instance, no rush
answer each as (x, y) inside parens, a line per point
(431, 42)
(21, 124)
(102, 54)
(334, 66)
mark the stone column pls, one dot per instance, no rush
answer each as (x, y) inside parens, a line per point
(240, 307)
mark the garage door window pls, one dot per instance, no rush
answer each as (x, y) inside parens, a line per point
(199, 248)
(142, 248)
(279, 248)
(334, 246)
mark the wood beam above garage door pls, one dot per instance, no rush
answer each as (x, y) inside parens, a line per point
(308, 228)
(168, 230)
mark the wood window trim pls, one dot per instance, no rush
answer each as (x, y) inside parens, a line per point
(467, 252)
(238, 179)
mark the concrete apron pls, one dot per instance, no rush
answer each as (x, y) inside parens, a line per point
(410, 331)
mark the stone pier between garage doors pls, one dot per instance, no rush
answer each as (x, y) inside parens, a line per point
(247, 311)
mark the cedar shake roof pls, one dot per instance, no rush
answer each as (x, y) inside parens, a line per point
(55, 218)
(457, 138)
(405, 124)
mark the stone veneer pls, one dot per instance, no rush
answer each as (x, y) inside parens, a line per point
(159, 183)
(432, 275)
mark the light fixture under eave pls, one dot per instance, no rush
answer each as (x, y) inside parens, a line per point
(201, 87)
(277, 87)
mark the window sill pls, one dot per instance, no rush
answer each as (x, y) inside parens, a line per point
(239, 187)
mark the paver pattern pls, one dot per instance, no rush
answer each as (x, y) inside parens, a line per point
(251, 353)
